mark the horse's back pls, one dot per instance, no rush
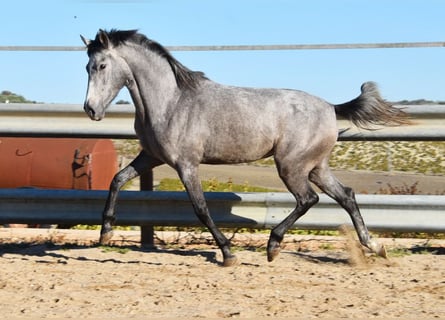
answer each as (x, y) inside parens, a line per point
(216, 99)
(270, 112)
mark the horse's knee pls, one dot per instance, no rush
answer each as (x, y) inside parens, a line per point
(312, 199)
(308, 201)
(277, 233)
(118, 181)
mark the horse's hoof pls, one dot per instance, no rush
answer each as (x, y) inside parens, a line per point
(273, 249)
(105, 237)
(382, 252)
(273, 253)
(230, 261)
(378, 249)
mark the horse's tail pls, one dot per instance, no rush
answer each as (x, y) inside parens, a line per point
(370, 109)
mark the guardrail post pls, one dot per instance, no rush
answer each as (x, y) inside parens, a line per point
(147, 231)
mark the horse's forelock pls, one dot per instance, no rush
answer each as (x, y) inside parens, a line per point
(116, 37)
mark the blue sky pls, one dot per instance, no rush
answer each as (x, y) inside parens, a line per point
(335, 75)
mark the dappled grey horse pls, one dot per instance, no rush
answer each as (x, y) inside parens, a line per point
(184, 119)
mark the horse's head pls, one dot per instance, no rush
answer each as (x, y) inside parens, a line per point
(107, 74)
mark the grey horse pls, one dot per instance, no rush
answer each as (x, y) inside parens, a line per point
(183, 119)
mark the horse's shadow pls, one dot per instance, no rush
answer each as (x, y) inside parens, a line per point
(56, 251)
(315, 257)
(434, 250)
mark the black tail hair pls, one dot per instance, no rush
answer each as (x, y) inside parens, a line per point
(370, 109)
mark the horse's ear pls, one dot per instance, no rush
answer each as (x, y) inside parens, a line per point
(85, 40)
(103, 38)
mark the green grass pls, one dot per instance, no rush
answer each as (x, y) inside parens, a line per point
(399, 252)
(212, 185)
(97, 227)
(425, 157)
(415, 157)
(121, 250)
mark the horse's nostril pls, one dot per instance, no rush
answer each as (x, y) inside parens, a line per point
(92, 113)
(88, 110)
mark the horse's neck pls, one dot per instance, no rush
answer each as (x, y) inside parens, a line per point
(154, 86)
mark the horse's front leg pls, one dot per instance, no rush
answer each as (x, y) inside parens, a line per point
(141, 164)
(189, 176)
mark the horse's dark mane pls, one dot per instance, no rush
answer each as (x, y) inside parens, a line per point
(185, 78)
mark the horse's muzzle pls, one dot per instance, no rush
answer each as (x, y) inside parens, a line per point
(91, 112)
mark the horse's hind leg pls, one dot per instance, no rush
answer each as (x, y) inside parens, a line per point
(189, 177)
(142, 163)
(327, 182)
(298, 185)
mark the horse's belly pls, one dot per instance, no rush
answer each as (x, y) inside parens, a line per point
(237, 153)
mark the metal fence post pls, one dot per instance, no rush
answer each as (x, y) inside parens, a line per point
(147, 231)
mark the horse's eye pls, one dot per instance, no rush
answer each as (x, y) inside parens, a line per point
(102, 66)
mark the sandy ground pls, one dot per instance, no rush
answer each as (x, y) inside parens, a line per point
(62, 273)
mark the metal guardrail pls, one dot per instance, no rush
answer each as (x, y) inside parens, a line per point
(62, 120)
(236, 210)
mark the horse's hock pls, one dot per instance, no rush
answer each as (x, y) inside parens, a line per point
(56, 163)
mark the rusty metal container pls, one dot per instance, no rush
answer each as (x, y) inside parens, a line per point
(53, 163)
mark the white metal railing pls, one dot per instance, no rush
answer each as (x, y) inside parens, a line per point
(38, 120)
(332, 46)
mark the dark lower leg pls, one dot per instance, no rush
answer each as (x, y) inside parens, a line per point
(203, 215)
(277, 233)
(139, 165)
(346, 198)
(189, 177)
(351, 206)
